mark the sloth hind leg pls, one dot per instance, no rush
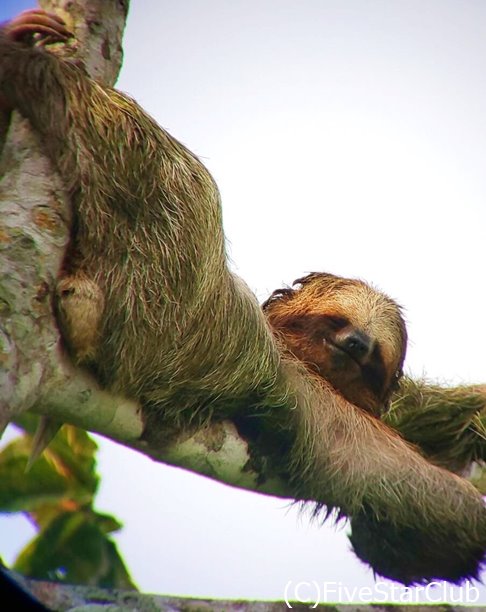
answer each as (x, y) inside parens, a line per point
(79, 307)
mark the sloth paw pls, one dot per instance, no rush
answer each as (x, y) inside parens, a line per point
(417, 555)
(38, 27)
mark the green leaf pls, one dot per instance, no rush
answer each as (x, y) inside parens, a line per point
(21, 491)
(58, 491)
(74, 548)
(106, 522)
(71, 448)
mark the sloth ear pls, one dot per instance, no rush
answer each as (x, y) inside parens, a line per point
(314, 276)
(279, 295)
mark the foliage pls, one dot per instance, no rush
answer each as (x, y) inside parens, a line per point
(57, 493)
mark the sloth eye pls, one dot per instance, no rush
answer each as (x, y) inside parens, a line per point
(336, 322)
(295, 324)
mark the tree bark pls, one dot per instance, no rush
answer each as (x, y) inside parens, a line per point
(34, 228)
(63, 597)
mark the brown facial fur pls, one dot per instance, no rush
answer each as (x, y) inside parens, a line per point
(345, 331)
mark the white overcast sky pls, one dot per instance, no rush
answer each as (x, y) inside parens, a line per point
(345, 136)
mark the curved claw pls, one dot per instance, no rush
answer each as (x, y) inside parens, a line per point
(35, 21)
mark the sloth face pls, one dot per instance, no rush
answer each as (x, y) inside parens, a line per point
(346, 332)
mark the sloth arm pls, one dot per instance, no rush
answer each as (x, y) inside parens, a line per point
(407, 514)
(448, 424)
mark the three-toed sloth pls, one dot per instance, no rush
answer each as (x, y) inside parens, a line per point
(147, 302)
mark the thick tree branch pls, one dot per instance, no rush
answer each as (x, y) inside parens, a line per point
(98, 32)
(34, 226)
(34, 231)
(64, 597)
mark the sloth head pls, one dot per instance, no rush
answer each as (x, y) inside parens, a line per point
(346, 332)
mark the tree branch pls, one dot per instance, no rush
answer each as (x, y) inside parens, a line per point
(73, 597)
(34, 228)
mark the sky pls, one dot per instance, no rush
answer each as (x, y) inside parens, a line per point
(347, 137)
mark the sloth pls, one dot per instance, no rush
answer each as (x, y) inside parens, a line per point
(146, 301)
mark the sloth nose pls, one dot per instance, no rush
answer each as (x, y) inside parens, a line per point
(357, 344)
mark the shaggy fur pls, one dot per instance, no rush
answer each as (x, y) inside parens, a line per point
(447, 423)
(147, 301)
